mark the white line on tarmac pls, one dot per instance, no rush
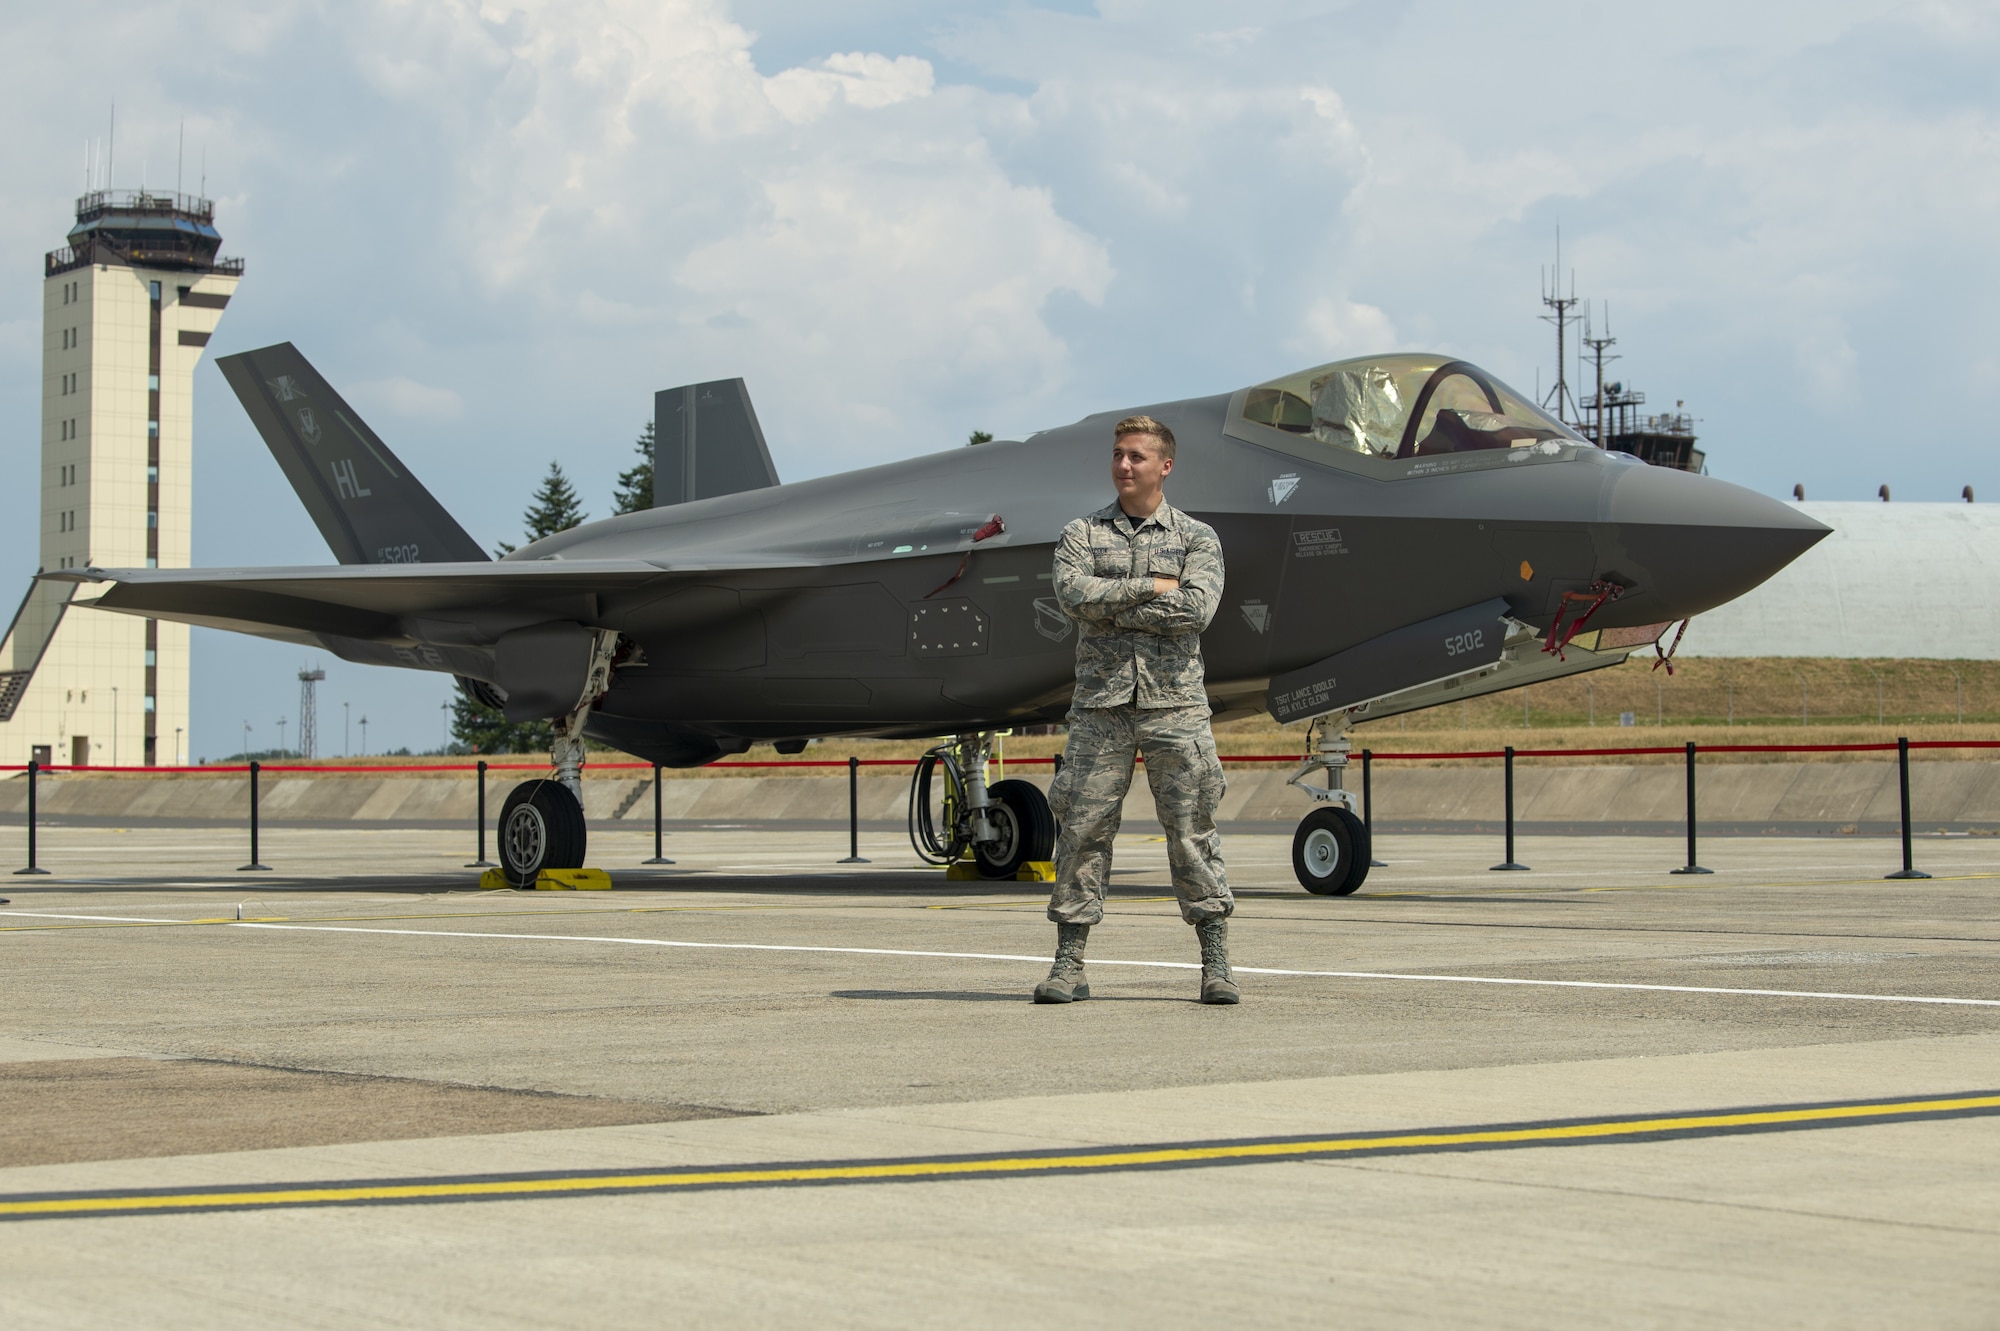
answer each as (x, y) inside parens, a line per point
(1162, 965)
(1038, 960)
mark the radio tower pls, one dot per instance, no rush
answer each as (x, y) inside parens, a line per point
(309, 712)
(1598, 347)
(1562, 314)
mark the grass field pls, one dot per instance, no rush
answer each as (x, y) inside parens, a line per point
(1708, 700)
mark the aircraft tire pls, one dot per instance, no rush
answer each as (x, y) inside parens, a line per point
(1330, 852)
(541, 827)
(1027, 829)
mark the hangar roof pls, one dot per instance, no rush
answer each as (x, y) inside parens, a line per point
(1894, 580)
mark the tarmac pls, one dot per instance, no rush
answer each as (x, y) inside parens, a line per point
(757, 1087)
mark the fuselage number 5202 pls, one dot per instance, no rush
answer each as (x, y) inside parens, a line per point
(1460, 643)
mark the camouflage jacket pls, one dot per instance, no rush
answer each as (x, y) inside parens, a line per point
(1135, 646)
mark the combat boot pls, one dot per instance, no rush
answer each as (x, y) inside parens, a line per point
(1217, 984)
(1066, 982)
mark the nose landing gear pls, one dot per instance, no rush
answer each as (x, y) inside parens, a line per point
(1330, 849)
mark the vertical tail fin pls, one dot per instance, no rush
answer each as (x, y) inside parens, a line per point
(360, 495)
(708, 443)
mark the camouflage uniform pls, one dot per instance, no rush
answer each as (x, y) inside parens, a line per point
(1139, 689)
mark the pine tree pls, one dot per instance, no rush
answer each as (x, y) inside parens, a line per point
(486, 730)
(555, 508)
(635, 484)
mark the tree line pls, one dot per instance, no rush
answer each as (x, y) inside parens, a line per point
(554, 507)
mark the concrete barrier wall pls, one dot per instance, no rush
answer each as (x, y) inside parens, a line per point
(1738, 795)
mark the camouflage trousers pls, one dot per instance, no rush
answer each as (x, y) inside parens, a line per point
(1088, 798)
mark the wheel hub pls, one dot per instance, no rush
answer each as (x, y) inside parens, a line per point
(1006, 833)
(525, 839)
(1322, 853)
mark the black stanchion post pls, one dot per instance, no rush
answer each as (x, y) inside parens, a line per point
(1368, 805)
(659, 831)
(1693, 865)
(34, 769)
(481, 862)
(854, 813)
(1510, 863)
(254, 863)
(1909, 869)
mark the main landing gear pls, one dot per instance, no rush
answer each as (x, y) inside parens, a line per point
(1330, 850)
(953, 810)
(541, 823)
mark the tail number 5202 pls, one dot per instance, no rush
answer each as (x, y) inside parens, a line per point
(1460, 643)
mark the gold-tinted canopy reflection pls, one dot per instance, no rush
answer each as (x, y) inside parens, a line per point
(1403, 406)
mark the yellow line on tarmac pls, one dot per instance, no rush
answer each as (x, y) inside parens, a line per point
(1034, 1164)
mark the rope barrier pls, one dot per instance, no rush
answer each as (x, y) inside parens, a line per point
(1451, 755)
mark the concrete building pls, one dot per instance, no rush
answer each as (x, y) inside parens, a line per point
(1894, 580)
(127, 307)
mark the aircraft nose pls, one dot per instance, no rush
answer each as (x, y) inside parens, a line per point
(1689, 543)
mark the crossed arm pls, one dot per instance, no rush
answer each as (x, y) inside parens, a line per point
(1153, 604)
(1189, 603)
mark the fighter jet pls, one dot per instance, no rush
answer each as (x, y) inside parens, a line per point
(1399, 530)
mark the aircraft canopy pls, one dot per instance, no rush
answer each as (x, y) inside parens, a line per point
(1403, 406)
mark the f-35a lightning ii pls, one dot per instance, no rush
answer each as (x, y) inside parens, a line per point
(1400, 531)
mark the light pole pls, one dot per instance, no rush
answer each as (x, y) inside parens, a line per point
(281, 736)
(1805, 705)
(364, 736)
(114, 725)
(246, 741)
(1878, 692)
(177, 747)
(444, 727)
(1959, 687)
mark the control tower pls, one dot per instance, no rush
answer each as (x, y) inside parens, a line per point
(127, 307)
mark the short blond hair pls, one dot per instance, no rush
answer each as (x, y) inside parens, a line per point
(1146, 425)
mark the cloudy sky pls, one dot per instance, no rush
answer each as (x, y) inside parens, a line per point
(500, 227)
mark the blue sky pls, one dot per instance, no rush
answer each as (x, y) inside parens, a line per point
(499, 227)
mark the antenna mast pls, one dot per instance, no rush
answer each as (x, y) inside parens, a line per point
(1598, 346)
(1562, 314)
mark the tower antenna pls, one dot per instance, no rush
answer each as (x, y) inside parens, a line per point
(180, 158)
(111, 145)
(1598, 347)
(1562, 313)
(309, 711)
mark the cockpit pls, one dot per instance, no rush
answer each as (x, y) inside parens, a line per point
(1403, 407)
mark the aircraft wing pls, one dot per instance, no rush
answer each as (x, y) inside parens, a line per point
(371, 602)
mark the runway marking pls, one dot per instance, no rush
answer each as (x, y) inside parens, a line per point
(1407, 977)
(1038, 901)
(154, 922)
(1158, 965)
(1015, 1164)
